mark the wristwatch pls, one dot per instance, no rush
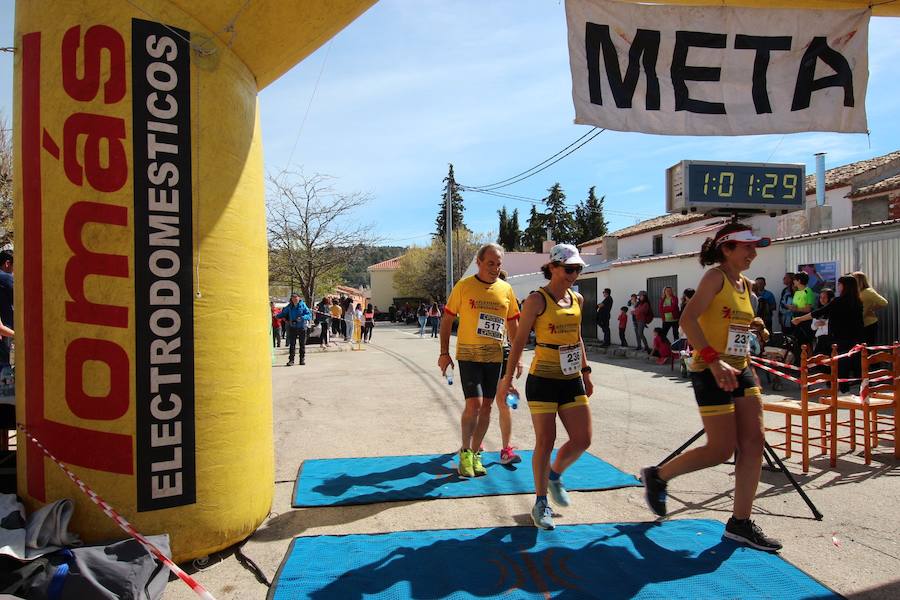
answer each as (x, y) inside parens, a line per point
(586, 370)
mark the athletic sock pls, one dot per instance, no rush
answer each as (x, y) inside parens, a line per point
(539, 499)
(554, 475)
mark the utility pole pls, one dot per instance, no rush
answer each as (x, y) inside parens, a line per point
(448, 235)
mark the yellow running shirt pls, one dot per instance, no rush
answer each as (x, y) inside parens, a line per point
(483, 310)
(557, 332)
(726, 325)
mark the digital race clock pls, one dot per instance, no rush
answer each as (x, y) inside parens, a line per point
(733, 187)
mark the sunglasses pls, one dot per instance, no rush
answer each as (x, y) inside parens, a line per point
(569, 269)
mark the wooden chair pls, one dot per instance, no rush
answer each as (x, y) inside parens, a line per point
(818, 398)
(875, 398)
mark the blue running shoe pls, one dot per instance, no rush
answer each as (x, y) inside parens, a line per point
(558, 492)
(542, 515)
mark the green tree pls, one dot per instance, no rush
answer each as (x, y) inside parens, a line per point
(422, 271)
(456, 207)
(559, 218)
(509, 234)
(589, 219)
(534, 235)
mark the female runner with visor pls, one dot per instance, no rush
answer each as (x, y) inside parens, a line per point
(716, 322)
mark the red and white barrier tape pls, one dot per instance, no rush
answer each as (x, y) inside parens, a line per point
(776, 372)
(769, 361)
(121, 522)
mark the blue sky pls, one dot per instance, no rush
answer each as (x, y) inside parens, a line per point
(411, 86)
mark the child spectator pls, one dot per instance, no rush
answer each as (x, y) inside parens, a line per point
(662, 348)
(759, 335)
(623, 325)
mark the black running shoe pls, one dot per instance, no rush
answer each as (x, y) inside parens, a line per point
(748, 532)
(654, 490)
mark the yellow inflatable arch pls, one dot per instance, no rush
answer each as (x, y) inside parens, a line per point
(141, 253)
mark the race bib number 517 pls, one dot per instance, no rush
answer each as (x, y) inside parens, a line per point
(490, 326)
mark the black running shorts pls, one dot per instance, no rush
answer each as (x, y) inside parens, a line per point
(479, 379)
(713, 400)
(549, 396)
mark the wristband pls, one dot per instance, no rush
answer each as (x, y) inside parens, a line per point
(709, 355)
(443, 354)
(586, 370)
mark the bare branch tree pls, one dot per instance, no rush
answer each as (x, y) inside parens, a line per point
(312, 229)
(6, 184)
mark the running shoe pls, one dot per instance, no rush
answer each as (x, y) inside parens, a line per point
(558, 492)
(748, 532)
(465, 464)
(542, 515)
(508, 456)
(654, 490)
(477, 467)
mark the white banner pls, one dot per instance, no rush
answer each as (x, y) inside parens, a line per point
(702, 70)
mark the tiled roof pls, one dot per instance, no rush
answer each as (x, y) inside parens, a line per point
(840, 176)
(885, 185)
(386, 265)
(658, 223)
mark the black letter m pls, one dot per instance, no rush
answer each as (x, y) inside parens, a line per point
(645, 46)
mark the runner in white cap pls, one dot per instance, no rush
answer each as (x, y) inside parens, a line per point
(559, 380)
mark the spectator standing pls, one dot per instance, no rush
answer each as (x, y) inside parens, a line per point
(337, 315)
(324, 317)
(297, 315)
(766, 305)
(434, 318)
(632, 306)
(845, 324)
(669, 312)
(6, 305)
(787, 295)
(686, 296)
(369, 323)
(644, 315)
(347, 325)
(623, 325)
(276, 326)
(604, 310)
(803, 301)
(872, 301)
(820, 325)
(422, 316)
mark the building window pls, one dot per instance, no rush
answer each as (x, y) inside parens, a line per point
(657, 244)
(655, 287)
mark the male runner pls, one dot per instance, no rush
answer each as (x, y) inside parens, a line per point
(486, 306)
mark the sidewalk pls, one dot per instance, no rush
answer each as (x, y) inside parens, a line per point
(390, 399)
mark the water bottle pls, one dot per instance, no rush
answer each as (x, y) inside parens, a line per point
(449, 373)
(512, 400)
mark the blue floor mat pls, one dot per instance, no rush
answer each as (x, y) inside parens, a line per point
(343, 481)
(686, 559)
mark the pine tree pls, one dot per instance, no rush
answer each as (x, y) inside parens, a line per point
(589, 219)
(503, 227)
(534, 234)
(456, 207)
(559, 219)
(515, 234)
(508, 233)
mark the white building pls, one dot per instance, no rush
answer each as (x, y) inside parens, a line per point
(858, 227)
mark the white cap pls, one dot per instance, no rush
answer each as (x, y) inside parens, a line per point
(566, 254)
(744, 236)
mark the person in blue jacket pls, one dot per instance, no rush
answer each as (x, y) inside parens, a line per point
(296, 316)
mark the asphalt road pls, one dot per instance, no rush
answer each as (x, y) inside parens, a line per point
(389, 399)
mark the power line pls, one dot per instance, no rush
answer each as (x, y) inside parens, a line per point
(547, 166)
(502, 181)
(538, 202)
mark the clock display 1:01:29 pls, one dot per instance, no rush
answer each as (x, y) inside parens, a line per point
(776, 185)
(767, 186)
